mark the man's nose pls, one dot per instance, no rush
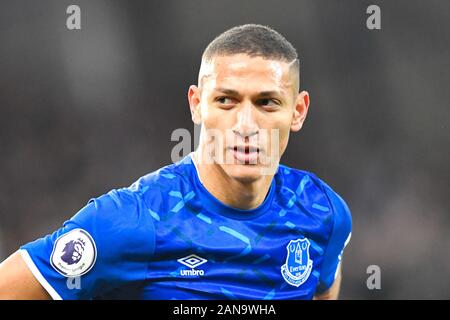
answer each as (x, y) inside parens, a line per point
(246, 124)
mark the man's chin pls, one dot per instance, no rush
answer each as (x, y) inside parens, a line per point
(245, 173)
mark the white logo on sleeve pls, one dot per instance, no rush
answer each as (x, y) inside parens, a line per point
(74, 253)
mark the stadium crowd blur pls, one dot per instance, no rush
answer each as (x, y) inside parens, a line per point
(86, 111)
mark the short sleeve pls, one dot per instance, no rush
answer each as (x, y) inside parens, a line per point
(105, 246)
(340, 236)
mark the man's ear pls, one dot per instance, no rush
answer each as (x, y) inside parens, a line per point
(300, 112)
(194, 104)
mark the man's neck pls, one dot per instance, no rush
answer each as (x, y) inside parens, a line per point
(230, 191)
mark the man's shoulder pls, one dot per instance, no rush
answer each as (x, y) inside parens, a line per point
(313, 192)
(298, 179)
(159, 183)
(124, 206)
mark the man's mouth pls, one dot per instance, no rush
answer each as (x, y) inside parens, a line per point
(245, 154)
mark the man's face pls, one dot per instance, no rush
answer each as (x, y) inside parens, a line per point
(247, 106)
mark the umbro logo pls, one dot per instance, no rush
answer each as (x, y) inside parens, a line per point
(192, 261)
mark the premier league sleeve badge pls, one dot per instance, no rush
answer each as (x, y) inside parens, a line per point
(74, 253)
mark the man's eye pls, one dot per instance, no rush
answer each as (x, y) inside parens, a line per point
(224, 100)
(269, 102)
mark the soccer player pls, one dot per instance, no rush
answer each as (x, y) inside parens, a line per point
(227, 221)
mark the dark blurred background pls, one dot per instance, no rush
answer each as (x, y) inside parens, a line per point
(86, 111)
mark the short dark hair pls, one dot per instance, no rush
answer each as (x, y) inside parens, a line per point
(253, 40)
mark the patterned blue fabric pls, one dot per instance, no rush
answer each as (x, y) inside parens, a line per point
(167, 237)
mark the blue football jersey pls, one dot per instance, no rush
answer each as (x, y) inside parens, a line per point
(167, 237)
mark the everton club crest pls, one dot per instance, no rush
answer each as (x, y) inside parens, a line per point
(298, 265)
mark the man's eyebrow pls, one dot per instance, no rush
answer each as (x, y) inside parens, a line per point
(236, 93)
(227, 91)
(269, 93)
